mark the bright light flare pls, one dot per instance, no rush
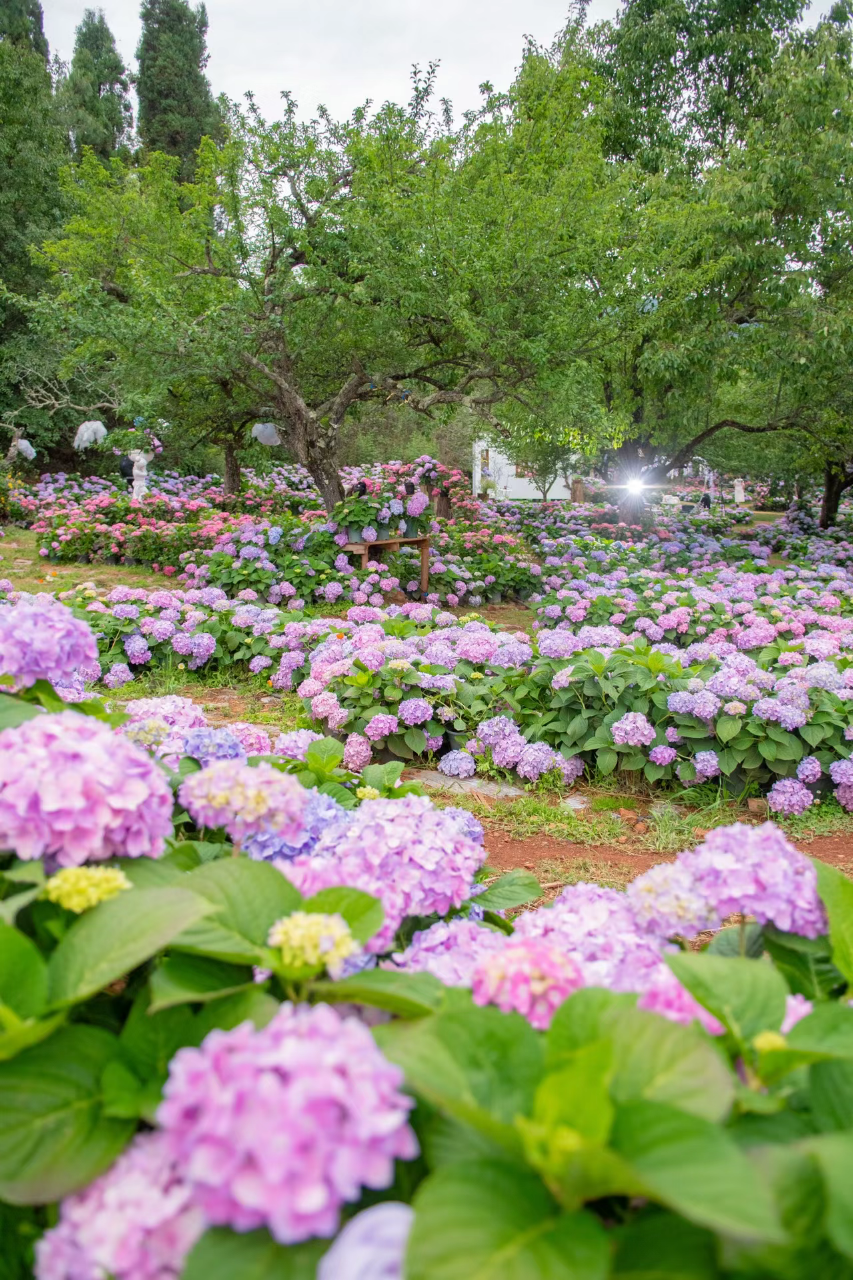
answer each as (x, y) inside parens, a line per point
(635, 486)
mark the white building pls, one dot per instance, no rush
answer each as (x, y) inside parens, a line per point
(494, 474)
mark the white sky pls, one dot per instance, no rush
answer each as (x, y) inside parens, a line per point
(340, 52)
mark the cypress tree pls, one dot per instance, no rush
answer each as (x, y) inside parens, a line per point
(22, 24)
(176, 107)
(94, 98)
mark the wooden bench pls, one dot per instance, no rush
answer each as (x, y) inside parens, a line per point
(367, 551)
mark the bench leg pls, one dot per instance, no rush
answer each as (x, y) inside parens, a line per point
(424, 567)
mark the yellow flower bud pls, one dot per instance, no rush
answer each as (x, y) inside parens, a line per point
(78, 889)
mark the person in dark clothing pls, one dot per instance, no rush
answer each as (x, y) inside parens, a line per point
(706, 502)
(125, 467)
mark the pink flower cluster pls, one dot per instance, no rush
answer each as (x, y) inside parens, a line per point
(530, 976)
(138, 1221)
(73, 791)
(281, 1127)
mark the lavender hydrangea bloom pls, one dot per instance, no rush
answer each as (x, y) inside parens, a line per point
(245, 800)
(471, 828)
(663, 755)
(707, 765)
(372, 1245)
(789, 796)
(757, 871)
(405, 852)
(528, 975)
(450, 950)
(321, 815)
(41, 639)
(209, 744)
(137, 1221)
(279, 1128)
(841, 772)
(535, 759)
(294, 744)
(381, 726)
(136, 648)
(414, 711)
(457, 764)
(809, 769)
(357, 752)
(73, 791)
(118, 675)
(633, 730)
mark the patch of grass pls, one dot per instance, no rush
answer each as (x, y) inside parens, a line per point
(535, 816)
(610, 875)
(609, 804)
(673, 827)
(826, 818)
(28, 571)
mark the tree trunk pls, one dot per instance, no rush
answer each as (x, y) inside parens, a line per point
(233, 474)
(833, 487)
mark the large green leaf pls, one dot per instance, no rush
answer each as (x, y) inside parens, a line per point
(831, 1094)
(662, 1246)
(747, 996)
(834, 1152)
(662, 1061)
(182, 978)
(486, 1219)
(221, 1254)
(690, 1165)
(653, 1059)
(23, 974)
(54, 1136)
(408, 995)
(253, 1005)
(805, 963)
(249, 897)
(837, 894)
(512, 890)
(106, 943)
(479, 1065)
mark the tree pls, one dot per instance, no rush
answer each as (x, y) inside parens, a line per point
(176, 108)
(310, 268)
(22, 25)
(94, 97)
(31, 154)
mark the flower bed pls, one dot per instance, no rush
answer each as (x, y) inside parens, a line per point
(262, 1015)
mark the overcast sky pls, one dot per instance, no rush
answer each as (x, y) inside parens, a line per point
(340, 52)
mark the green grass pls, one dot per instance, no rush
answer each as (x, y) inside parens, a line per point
(826, 818)
(534, 816)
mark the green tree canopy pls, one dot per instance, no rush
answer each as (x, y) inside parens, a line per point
(176, 108)
(94, 97)
(22, 24)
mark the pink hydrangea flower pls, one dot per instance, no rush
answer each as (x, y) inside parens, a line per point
(73, 791)
(530, 976)
(357, 752)
(138, 1221)
(281, 1127)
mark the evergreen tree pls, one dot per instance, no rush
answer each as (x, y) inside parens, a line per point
(176, 108)
(22, 24)
(94, 98)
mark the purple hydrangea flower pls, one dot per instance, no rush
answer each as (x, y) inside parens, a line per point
(663, 755)
(405, 852)
(118, 675)
(809, 769)
(535, 759)
(245, 800)
(209, 744)
(457, 764)
(707, 765)
(372, 1245)
(357, 752)
(633, 730)
(789, 796)
(41, 639)
(279, 1128)
(529, 976)
(414, 711)
(381, 726)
